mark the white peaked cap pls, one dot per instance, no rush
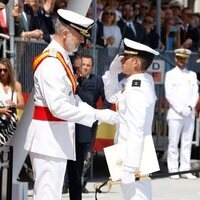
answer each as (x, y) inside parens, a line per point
(136, 48)
(79, 22)
(185, 53)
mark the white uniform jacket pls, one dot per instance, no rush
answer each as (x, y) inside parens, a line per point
(53, 89)
(181, 90)
(135, 105)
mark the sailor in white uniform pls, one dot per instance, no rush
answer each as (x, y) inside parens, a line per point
(51, 134)
(181, 90)
(135, 99)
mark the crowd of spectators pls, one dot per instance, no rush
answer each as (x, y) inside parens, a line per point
(116, 19)
(180, 26)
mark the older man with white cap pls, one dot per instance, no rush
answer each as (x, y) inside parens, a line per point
(135, 99)
(181, 90)
(51, 134)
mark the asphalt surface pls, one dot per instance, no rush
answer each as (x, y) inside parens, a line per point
(163, 188)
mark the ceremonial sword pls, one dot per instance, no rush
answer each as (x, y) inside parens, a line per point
(109, 182)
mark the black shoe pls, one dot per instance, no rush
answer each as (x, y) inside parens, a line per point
(84, 190)
(65, 190)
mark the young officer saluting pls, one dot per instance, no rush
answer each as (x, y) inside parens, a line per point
(51, 135)
(135, 99)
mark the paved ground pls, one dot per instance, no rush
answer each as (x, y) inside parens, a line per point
(163, 189)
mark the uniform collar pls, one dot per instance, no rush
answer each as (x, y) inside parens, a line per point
(181, 70)
(55, 45)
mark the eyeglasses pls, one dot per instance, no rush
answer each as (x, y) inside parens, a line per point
(109, 13)
(3, 70)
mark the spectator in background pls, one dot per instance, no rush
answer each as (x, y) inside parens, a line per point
(100, 37)
(149, 27)
(186, 15)
(136, 10)
(170, 34)
(129, 28)
(181, 90)
(90, 89)
(115, 5)
(176, 7)
(76, 62)
(45, 15)
(168, 12)
(144, 10)
(111, 32)
(28, 21)
(59, 4)
(4, 14)
(193, 33)
(8, 85)
(10, 89)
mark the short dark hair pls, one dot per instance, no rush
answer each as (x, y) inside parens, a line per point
(90, 57)
(146, 60)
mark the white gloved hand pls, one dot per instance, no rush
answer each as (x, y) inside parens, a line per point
(128, 177)
(108, 116)
(186, 111)
(116, 65)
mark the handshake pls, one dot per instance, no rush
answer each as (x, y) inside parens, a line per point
(107, 116)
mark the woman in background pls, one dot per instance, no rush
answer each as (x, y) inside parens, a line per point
(10, 90)
(111, 32)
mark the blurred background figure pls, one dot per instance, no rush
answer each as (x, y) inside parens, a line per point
(149, 27)
(29, 20)
(170, 34)
(111, 32)
(144, 10)
(129, 28)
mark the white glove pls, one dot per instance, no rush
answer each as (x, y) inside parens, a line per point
(116, 65)
(128, 177)
(186, 111)
(108, 116)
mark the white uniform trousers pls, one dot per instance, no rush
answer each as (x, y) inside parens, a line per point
(183, 128)
(139, 190)
(49, 176)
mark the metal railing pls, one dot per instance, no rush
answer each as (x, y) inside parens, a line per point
(6, 156)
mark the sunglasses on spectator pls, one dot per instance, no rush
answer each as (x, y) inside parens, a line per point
(147, 21)
(109, 13)
(3, 70)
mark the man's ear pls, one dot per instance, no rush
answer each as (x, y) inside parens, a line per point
(65, 33)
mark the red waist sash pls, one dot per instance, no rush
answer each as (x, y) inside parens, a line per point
(44, 114)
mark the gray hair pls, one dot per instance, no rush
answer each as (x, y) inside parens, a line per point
(60, 27)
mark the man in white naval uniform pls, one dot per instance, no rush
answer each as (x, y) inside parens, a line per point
(51, 134)
(181, 91)
(135, 99)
